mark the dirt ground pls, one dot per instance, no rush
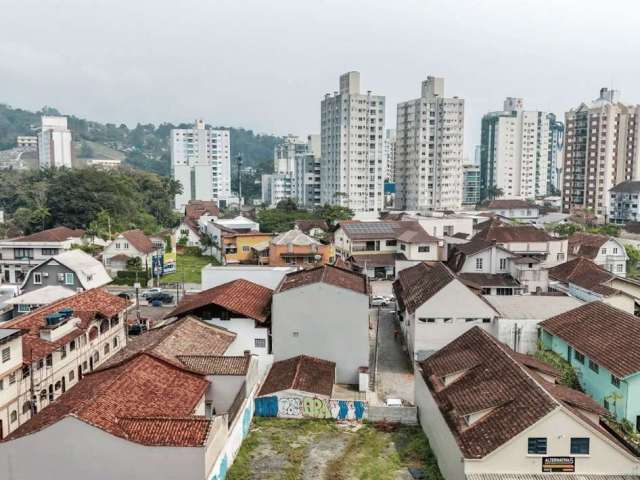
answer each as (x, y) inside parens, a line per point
(321, 450)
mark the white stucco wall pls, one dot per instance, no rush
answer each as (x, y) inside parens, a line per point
(332, 323)
(504, 330)
(247, 331)
(268, 277)
(490, 261)
(223, 390)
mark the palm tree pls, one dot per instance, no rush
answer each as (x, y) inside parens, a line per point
(494, 192)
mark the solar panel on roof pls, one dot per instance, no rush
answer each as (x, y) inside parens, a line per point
(369, 228)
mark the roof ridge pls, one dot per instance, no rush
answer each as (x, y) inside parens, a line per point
(294, 381)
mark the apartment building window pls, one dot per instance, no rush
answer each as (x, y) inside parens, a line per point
(107, 348)
(50, 251)
(1, 384)
(615, 381)
(579, 357)
(37, 278)
(504, 291)
(49, 360)
(478, 264)
(537, 446)
(423, 248)
(6, 354)
(615, 251)
(580, 446)
(115, 342)
(260, 343)
(594, 366)
(68, 278)
(604, 251)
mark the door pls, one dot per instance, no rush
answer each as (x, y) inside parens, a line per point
(79, 372)
(91, 363)
(64, 384)
(569, 352)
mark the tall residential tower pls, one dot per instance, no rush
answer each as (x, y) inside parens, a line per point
(352, 147)
(429, 150)
(200, 161)
(55, 149)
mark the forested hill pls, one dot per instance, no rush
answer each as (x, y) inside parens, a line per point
(144, 147)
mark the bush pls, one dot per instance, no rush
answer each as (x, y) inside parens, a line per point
(568, 376)
(127, 277)
(192, 251)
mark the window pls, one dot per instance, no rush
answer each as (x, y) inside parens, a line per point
(26, 407)
(107, 348)
(580, 446)
(478, 264)
(37, 278)
(560, 257)
(115, 321)
(1, 384)
(246, 248)
(619, 268)
(615, 381)
(422, 319)
(260, 343)
(72, 345)
(21, 253)
(63, 351)
(537, 446)
(50, 251)
(72, 375)
(391, 243)
(579, 357)
(115, 342)
(470, 319)
(6, 354)
(486, 320)
(615, 250)
(68, 278)
(594, 366)
(503, 264)
(14, 416)
(423, 248)
(295, 334)
(104, 325)
(49, 360)
(431, 320)
(446, 320)
(403, 247)
(504, 291)
(24, 308)
(604, 251)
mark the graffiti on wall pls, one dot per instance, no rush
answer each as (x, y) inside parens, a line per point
(310, 407)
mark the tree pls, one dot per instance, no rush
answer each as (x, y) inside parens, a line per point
(634, 260)
(494, 192)
(207, 243)
(287, 204)
(86, 151)
(333, 213)
(566, 229)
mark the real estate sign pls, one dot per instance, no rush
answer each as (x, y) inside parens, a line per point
(558, 464)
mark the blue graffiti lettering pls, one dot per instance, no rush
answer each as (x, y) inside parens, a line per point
(266, 406)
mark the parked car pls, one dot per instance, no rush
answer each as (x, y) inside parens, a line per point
(168, 268)
(160, 297)
(151, 291)
(379, 302)
(125, 295)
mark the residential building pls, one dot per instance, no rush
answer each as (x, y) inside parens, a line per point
(27, 142)
(188, 233)
(520, 426)
(515, 152)
(10, 372)
(374, 247)
(265, 275)
(129, 245)
(103, 163)
(429, 150)
(307, 174)
(442, 224)
(601, 151)
(197, 209)
(295, 247)
(525, 240)
(390, 154)
(19, 255)
(238, 240)
(608, 252)
(201, 162)
(518, 316)
(61, 342)
(316, 228)
(599, 341)
(470, 184)
(55, 148)
(277, 187)
(284, 154)
(515, 209)
(556, 155)
(491, 283)
(34, 299)
(327, 303)
(239, 306)
(352, 146)
(623, 203)
(434, 307)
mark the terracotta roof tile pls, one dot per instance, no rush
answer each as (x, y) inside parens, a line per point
(139, 240)
(603, 333)
(415, 285)
(330, 274)
(196, 208)
(584, 273)
(216, 365)
(496, 231)
(86, 306)
(586, 244)
(307, 225)
(58, 234)
(240, 296)
(479, 280)
(304, 373)
(166, 431)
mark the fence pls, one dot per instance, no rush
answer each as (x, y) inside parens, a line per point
(404, 415)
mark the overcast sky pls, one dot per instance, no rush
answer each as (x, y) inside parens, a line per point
(266, 65)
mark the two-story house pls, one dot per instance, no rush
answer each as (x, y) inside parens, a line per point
(374, 247)
(601, 343)
(19, 255)
(10, 372)
(126, 246)
(605, 251)
(59, 277)
(237, 240)
(294, 247)
(60, 343)
(514, 209)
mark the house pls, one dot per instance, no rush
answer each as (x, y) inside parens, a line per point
(323, 312)
(35, 299)
(436, 223)
(358, 242)
(195, 209)
(60, 343)
(514, 209)
(238, 240)
(434, 307)
(18, 255)
(518, 316)
(587, 281)
(605, 251)
(491, 283)
(265, 275)
(314, 227)
(148, 413)
(525, 240)
(623, 202)
(295, 247)
(601, 343)
(188, 233)
(239, 306)
(489, 415)
(126, 246)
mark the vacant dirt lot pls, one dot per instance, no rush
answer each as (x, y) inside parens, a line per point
(315, 449)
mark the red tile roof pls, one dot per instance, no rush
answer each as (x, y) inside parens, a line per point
(415, 285)
(307, 225)
(491, 379)
(337, 276)
(480, 280)
(139, 240)
(196, 208)
(376, 259)
(586, 244)
(216, 365)
(304, 373)
(606, 335)
(57, 234)
(239, 296)
(496, 231)
(86, 306)
(584, 273)
(144, 400)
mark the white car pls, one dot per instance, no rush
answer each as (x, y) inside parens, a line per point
(378, 302)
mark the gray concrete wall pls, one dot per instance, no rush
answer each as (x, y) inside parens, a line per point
(404, 415)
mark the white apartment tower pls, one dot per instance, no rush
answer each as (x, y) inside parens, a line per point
(54, 143)
(602, 149)
(429, 150)
(352, 146)
(390, 153)
(284, 155)
(516, 152)
(200, 161)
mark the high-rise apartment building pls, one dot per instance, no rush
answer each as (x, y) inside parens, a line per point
(601, 151)
(556, 152)
(352, 145)
(517, 148)
(429, 150)
(307, 174)
(390, 154)
(470, 184)
(55, 149)
(200, 161)
(284, 155)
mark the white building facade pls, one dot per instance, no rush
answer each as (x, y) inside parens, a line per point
(54, 143)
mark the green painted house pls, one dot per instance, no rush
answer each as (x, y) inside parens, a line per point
(602, 343)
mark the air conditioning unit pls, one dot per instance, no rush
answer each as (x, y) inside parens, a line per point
(45, 274)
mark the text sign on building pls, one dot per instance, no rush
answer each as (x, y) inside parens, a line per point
(558, 464)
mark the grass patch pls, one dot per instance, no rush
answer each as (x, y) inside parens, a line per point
(188, 268)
